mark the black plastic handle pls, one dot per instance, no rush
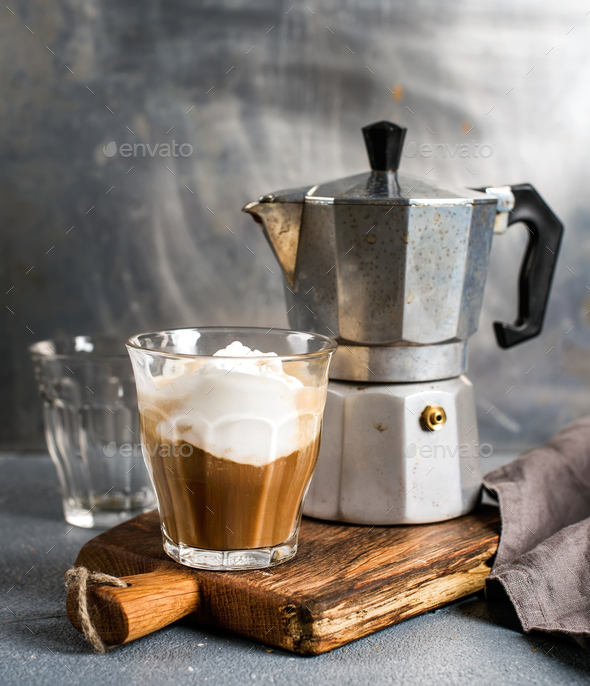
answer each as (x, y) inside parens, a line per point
(537, 268)
(385, 143)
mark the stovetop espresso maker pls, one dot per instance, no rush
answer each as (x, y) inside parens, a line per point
(394, 267)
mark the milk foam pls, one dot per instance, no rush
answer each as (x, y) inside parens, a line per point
(245, 410)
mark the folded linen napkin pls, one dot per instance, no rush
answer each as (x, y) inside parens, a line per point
(543, 560)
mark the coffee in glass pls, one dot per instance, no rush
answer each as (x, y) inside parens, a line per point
(230, 436)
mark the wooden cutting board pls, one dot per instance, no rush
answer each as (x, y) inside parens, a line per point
(344, 583)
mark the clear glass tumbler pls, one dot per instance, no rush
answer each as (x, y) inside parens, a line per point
(92, 428)
(230, 426)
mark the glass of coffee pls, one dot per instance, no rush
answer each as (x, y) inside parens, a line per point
(230, 425)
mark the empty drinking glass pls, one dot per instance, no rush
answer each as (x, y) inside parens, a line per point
(92, 428)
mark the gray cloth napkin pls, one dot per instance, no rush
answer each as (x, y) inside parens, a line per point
(543, 560)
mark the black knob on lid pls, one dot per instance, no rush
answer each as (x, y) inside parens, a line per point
(384, 142)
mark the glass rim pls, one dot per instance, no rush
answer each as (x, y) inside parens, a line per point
(330, 348)
(77, 355)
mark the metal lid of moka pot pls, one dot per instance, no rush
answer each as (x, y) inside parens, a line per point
(384, 185)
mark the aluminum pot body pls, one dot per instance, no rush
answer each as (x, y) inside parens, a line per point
(391, 274)
(379, 464)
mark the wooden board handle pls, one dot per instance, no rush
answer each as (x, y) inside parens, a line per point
(150, 602)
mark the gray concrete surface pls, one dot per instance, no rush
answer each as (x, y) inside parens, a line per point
(466, 643)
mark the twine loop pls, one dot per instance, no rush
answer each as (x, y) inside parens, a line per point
(81, 577)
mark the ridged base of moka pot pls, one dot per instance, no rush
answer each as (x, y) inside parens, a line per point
(381, 463)
(399, 363)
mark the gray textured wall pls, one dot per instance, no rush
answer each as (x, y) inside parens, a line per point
(271, 95)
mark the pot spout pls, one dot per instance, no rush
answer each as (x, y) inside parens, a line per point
(280, 215)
